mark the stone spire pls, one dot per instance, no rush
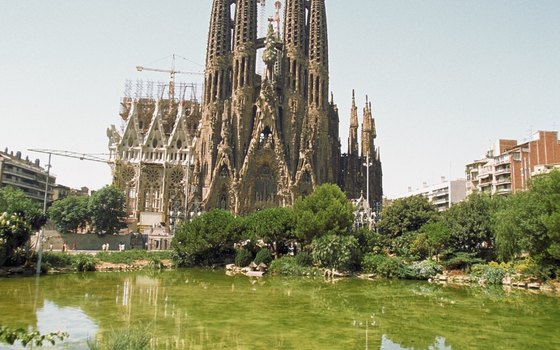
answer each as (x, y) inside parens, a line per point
(353, 147)
(244, 43)
(318, 54)
(294, 27)
(367, 131)
(219, 47)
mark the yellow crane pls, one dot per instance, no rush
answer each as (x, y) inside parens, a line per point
(171, 72)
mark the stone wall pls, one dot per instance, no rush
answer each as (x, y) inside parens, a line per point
(89, 241)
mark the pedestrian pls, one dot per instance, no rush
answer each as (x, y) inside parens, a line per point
(64, 247)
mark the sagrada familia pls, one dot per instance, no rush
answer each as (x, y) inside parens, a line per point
(258, 139)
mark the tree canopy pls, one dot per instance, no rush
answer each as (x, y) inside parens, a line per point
(406, 215)
(14, 201)
(530, 222)
(470, 223)
(206, 240)
(326, 211)
(18, 217)
(70, 213)
(107, 209)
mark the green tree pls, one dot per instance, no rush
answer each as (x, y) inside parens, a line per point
(326, 211)
(370, 241)
(107, 208)
(432, 239)
(13, 200)
(207, 240)
(470, 225)
(274, 226)
(406, 215)
(70, 213)
(514, 224)
(530, 222)
(335, 252)
(14, 234)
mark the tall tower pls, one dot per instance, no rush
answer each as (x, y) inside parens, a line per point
(353, 137)
(266, 138)
(258, 139)
(316, 130)
(295, 77)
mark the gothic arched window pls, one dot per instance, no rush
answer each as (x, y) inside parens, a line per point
(265, 185)
(223, 203)
(224, 171)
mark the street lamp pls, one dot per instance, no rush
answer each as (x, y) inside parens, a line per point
(174, 215)
(367, 164)
(188, 180)
(41, 232)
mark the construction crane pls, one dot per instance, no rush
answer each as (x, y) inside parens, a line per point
(70, 154)
(171, 72)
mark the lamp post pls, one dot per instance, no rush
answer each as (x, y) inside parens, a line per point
(188, 180)
(175, 214)
(41, 232)
(367, 164)
(187, 186)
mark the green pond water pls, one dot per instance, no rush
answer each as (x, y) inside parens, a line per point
(195, 309)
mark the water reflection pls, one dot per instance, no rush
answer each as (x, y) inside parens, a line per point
(193, 309)
(388, 344)
(52, 318)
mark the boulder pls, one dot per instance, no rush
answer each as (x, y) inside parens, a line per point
(254, 273)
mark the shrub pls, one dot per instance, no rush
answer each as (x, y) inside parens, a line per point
(462, 261)
(243, 258)
(155, 263)
(263, 256)
(11, 336)
(491, 273)
(288, 266)
(335, 252)
(57, 260)
(386, 266)
(84, 262)
(425, 269)
(304, 259)
(207, 240)
(136, 338)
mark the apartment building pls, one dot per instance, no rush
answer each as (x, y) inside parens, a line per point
(25, 175)
(442, 195)
(508, 166)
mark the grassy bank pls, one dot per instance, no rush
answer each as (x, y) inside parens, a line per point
(131, 259)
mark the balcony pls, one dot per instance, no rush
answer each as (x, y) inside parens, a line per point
(484, 175)
(440, 201)
(503, 190)
(502, 160)
(503, 180)
(502, 170)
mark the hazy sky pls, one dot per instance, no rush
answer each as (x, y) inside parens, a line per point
(446, 77)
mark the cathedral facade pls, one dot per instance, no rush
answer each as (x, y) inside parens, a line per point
(257, 139)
